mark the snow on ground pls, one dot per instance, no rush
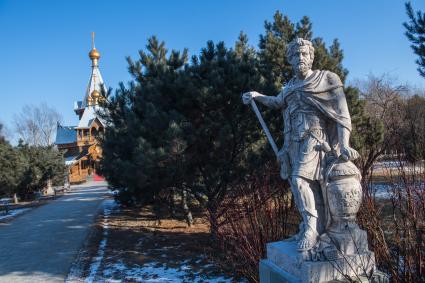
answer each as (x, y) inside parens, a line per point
(386, 190)
(388, 166)
(108, 205)
(382, 191)
(155, 272)
(13, 213)
(114, 271)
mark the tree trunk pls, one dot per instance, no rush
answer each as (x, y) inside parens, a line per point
(157, 210)
(213, 223)
(172, 202)
(187, 212)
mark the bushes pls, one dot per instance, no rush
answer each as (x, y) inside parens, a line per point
(256, 213)
(26, 169)
(396, 224)
(11, 169)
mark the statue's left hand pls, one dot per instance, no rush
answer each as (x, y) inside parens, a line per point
(348, 153)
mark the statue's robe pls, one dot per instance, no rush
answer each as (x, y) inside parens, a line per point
(313, 109)
(324, 91)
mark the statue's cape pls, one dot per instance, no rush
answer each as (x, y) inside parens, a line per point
(323, 89)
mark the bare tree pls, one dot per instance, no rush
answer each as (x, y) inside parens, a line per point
(36, 125)
(384, 106)
(381, 94)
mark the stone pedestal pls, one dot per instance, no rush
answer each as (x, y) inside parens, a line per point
(285, 264)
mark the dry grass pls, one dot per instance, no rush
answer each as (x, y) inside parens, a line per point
(135, 238)
(395, 225)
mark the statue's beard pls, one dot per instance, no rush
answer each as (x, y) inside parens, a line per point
(302, 68)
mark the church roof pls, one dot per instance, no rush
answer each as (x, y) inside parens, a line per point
(78, 105)
(95, 82)
(71, 159)
(65, 134)
(89, 115)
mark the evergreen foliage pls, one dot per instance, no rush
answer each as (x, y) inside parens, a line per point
(367, 134)
(26, 169)
(2, 138)
(38, 165)
(220, 132)
(180, 125)
(146, 126)
(273, 44)
(10, 169)
(277, 72)
(413, 132)
(415, 32)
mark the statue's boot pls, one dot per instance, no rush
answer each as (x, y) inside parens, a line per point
(310, 236)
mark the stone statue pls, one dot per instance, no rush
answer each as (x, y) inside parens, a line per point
(316, 158)
(316, 123)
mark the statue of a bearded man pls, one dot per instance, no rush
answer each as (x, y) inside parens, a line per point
(317, 127)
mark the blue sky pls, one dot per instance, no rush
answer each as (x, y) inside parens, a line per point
(45, 44)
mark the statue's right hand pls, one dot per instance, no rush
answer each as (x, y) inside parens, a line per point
(283, 159)
(248, 96)
(282, 155)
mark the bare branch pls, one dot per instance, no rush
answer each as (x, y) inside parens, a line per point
(36, 125)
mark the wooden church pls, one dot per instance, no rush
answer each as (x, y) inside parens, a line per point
(81, 143)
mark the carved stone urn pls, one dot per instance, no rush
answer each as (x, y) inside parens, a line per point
(343, 195)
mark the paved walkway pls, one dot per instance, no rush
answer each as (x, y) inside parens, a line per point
(41, 245)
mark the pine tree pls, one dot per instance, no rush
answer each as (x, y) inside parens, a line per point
(304, 28)
(367, 134)
(273, 43)
(38, 165)
(220, 131)
(10, 169)
(2, 138)
(142, 145)
(329, 58)
(277, 71)
(415, 32)
(182, 127)
(413, 133)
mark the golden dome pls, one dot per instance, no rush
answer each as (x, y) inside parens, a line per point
(95, 94)
(94, 54)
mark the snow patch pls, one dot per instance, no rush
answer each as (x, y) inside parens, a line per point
(13, 213)
(154, 272)
(387, 191)
(108, 206)
(103, 270)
